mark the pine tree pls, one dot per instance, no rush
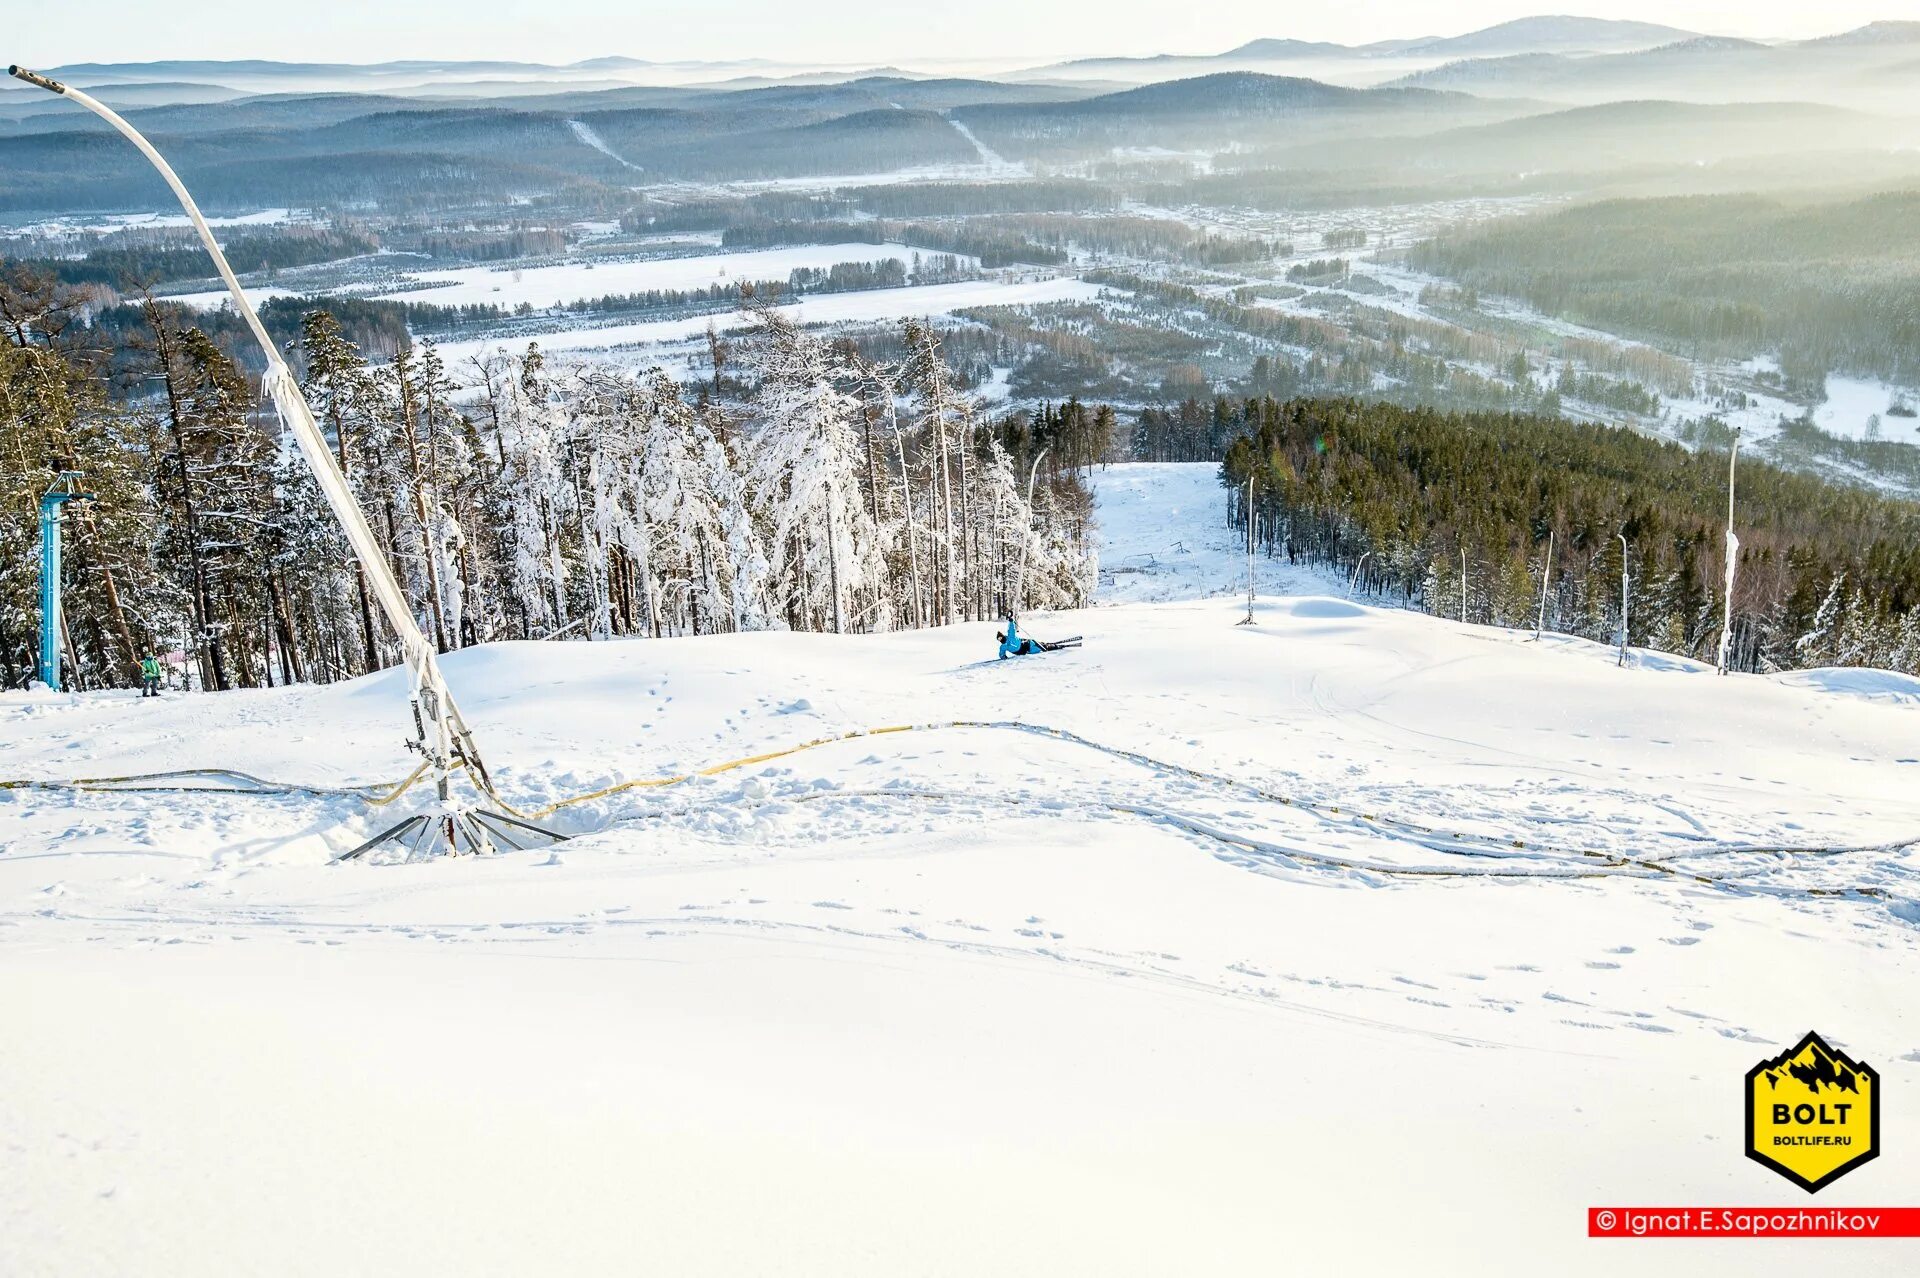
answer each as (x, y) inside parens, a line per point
(1820, 645)
(53, 417)
(339, 389)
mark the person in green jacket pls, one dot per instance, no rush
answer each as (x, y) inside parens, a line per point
(149, 676)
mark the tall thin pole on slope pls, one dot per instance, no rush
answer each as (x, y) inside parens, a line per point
(1019, 602)
(1733, 559)
(1463, 583)
(1355, 579)
(441, 734)
(65, 488)
(1248, 619)
(1623, 599)
(1546, 574)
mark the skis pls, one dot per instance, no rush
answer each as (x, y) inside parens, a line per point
(1058, 644)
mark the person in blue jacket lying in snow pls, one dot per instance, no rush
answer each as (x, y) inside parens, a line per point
(1012, 645)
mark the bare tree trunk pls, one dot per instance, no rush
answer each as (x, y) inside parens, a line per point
(292, 669)
(833, 562)
(428, 542)
(370, 661)
(968, 550)
(114, 610)
(913, 538)
(213, 653)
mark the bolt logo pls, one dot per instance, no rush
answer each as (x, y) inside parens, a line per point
(1813, 1114)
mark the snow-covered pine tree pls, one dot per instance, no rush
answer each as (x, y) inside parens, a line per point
(690, 494)
(339, 389)
(535, 496)
(749, 574)
(939, 425)
(54, 416)
(606, 424)
(804, 477)
(1820, 645)
(900, 531)
(446, 463)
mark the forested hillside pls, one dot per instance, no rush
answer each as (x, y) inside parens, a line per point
(1832, 286)
(1827, 576)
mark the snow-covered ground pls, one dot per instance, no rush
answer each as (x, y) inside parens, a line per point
(1353, 941)
(864, 305)
(149, 221)
(588, 278)
(1858, 408)
(1164, 535)
(573, 281)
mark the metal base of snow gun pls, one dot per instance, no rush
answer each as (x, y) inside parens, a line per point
(482, 830)
(446, 746)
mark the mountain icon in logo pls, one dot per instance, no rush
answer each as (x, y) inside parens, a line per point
(1817, 1068)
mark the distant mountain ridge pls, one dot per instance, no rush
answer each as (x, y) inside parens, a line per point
(1851, 69)
(1271, 47)
(1568, 37)
(1874, 33)
(1551, 34)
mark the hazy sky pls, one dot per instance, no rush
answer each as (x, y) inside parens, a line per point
(51, 32)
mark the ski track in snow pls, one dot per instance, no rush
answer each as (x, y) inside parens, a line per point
(1078, 982)
(988, 156)
(584, 131)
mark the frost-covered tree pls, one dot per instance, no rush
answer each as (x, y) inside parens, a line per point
(692, 493)
(804, 476)
(536, 497)
(1820, 645)
(339, 388)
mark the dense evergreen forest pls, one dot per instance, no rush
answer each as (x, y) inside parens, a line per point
(804, 487)
(1832, 287)
(165, 264)
(1828, 575)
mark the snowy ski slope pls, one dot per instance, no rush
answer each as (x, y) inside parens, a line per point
(1354, 942)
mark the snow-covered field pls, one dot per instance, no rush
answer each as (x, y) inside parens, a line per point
(577, 280)
(864, 305)
(1854, 403)
(586, 279)
(148, 221)
(982, 1000)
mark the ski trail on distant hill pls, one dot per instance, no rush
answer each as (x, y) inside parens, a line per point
(988, 156)
(586, 134)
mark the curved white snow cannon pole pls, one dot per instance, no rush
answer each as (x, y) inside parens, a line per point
(1016, 605)
(1248, 619)
(1733, 562)
(441, 735)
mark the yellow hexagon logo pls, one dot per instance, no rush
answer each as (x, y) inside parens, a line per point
(1813, 1114)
